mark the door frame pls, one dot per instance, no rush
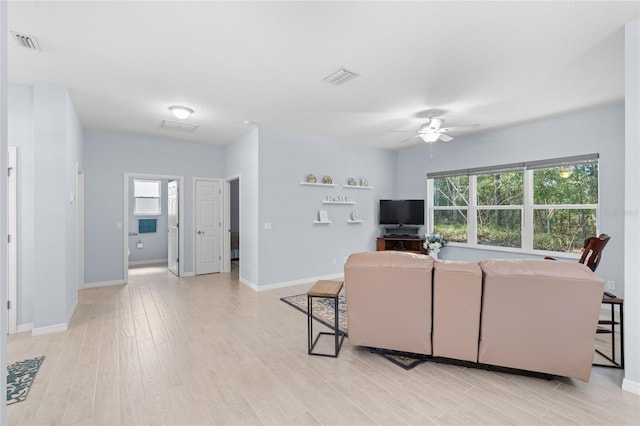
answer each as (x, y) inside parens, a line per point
(226, 221)
(12, 231)
(125, 230)
(79, 227)
(194, 210)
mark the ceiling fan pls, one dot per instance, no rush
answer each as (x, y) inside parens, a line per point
(432, 131)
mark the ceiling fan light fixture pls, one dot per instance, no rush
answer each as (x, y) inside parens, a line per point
(430, 137)
(180, 112)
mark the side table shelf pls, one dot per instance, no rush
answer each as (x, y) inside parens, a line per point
(608, 326)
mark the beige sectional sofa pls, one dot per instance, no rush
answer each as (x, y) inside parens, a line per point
(533, 315)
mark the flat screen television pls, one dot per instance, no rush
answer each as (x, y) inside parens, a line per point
(401, 212)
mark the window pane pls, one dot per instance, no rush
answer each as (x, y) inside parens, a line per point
(451, 224)
(562, 229)
(451, 191)
(146, 188)
(500, 228)
(147, 206)
(501, 189)
(577, 184)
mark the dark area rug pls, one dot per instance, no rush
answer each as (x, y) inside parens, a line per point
(20, 376)
(323, 311)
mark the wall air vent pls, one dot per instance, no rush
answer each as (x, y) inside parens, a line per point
(341, 76)
(179, 126)
(26, 41)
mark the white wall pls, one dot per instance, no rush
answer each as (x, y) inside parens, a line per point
(296, 249)
(599, 130)
(107, 157)
(3, 216)
(632, 208)
(241, 159)
(21, 134)
(57, 137)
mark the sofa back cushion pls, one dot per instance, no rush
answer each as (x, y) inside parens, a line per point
(389, 300)
(457, 291)
(540, 315)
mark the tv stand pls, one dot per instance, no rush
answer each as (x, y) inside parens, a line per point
(401, 231)
(400, 243)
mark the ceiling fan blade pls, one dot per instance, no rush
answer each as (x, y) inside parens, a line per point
(445, 138)
(409, 139)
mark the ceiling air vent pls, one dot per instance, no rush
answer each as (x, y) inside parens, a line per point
(179, 126)
(341, 76)
(26, 41)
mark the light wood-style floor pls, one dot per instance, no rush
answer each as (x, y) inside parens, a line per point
(208, 350)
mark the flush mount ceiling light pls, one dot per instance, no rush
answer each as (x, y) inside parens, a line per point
(180, 112)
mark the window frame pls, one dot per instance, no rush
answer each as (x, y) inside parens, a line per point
(158, 211)
(527, 209)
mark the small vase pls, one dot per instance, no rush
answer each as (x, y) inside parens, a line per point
(434, 253)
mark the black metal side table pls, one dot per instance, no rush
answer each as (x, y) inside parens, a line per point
(609, 327)
(330, 290)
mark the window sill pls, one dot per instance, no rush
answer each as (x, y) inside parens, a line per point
(542, 253)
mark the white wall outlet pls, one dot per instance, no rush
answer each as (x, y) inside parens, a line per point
(267, 226)
(611, 285)
(139, 244)
(118, 225)
(333, 261)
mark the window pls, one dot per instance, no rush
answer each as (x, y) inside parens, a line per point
(500, 202)
(547, 205)
(565, 203)
(147, 197)
(450, 204)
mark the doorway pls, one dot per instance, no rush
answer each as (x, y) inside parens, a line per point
(147, 236)
(208, 225)
(232, 248)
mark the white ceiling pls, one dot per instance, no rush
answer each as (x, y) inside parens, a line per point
(488, 64)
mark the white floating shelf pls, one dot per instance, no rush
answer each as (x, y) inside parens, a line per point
(357, 186)
(338, 202)
(318, 184)
(322, 222)
(355, 221)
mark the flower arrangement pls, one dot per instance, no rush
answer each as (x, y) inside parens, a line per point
(434, 242)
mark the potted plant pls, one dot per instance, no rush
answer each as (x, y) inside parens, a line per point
(433, 242)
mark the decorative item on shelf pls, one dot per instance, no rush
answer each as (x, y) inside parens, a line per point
(433, 242)
(352, 182)
(355, 215)
(364, 182)
(327, 179)
(311, 178)
(323, 216)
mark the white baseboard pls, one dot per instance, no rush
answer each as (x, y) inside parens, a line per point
(188, 274)
(57, 328)
(147, 262)
(292, 283)
(630, 386)
(71, 312)
(249, 284)
(24, 328)
(102, 284)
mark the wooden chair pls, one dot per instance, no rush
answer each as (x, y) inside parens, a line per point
(592, 251)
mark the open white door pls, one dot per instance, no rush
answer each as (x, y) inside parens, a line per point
(12, 248)
(208, 226)
(173, 228)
